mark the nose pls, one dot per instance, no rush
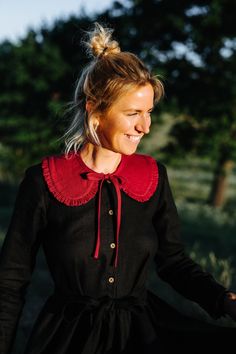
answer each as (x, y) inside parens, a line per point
(143, 123)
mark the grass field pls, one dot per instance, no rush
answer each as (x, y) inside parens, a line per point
(209, 235)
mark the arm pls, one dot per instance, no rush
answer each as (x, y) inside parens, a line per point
(18, 254)
(172, 263)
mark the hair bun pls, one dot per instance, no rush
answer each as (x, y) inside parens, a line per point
(100, 42)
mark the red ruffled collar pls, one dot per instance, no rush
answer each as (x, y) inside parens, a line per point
(73, 183)
(66, 178)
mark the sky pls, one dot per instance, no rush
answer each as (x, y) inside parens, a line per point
(16, 16)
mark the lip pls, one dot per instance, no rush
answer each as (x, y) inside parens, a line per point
(134, 138)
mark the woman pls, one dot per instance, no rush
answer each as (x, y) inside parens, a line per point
(102, 213)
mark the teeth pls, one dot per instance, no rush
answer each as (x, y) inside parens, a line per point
(134, 138)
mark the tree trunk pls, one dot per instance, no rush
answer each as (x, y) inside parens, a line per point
(224, 168)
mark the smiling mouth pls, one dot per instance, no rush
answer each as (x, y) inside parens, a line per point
(134, 138)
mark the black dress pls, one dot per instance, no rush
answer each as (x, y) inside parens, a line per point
(100, 304)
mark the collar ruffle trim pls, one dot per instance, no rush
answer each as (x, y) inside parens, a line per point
(66, 178)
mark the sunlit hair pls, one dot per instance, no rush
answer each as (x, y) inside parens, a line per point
(110, 74)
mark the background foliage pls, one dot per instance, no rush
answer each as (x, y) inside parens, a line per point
(191, 45)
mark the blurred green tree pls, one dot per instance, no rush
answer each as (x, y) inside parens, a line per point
(29, 99)
(37, 82)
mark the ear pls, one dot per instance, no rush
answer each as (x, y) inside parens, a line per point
(92, 117)
(89, 106)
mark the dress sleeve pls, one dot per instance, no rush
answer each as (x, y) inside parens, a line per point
(18, 253)
(172, 263)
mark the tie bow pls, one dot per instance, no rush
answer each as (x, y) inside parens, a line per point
(116, 180)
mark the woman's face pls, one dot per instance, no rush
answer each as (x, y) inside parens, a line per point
(129, 118)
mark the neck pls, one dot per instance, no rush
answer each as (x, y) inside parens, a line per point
(99, 159)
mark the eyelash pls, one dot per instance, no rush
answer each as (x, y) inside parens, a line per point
(134, 114)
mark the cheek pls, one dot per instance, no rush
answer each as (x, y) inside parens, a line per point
(116, 125)
(124, 124)
(120, 127)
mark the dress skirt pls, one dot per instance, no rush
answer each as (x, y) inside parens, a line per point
(121, 326)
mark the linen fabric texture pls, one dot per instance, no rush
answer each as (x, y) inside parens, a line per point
(97, 307)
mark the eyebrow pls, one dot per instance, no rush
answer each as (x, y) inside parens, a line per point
(137, 110)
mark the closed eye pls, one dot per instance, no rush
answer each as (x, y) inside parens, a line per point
(135, 113)
(132, 114)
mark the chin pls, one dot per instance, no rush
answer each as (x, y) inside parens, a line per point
(128, 151)
(123, 150)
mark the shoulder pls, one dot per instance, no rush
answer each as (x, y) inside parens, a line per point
(33, 176)
(61, 166)
(144, 160)
(32, 189)
(141, 176)
(162, 168)
(142, 163)
(34, 171)
(156, 168)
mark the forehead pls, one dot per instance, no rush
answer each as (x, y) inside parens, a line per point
(136, 96)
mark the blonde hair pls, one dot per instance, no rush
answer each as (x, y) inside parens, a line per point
(109, 74)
